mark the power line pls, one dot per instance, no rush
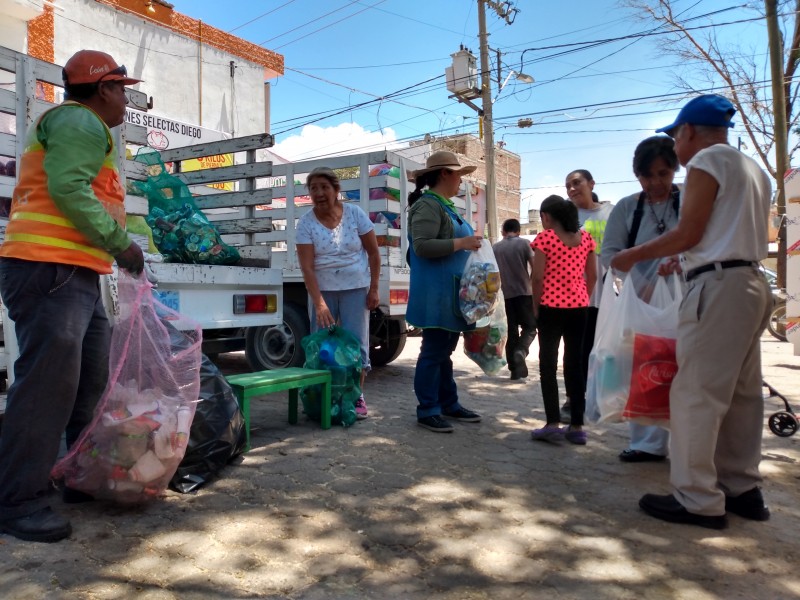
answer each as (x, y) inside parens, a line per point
(308, 22)
(349, 108)
(261, 16)
(354, 68)
(437, 26)
(709, 90)
(357, 90)
(647, 33)
(331, 24)
(619, 103)
(418, 90)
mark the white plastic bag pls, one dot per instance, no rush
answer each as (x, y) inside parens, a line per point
(480, 284)
(619, 321)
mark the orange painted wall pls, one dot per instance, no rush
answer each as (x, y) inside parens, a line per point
(41, 32)
(197, 30)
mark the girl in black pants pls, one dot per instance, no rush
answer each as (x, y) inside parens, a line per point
(564, 272)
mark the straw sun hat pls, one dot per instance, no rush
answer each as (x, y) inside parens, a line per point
(441, 160)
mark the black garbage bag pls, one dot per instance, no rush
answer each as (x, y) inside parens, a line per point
(217, 434)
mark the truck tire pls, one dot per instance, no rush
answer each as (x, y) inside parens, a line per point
(278, 346)
(392, 336)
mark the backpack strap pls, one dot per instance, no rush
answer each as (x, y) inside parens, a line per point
(676, 199)
(637, 221)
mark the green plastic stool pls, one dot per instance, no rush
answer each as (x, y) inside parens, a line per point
(250, 385)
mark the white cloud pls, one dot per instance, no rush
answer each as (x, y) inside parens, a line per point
(345, 138)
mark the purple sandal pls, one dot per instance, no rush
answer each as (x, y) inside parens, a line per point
(576, 437)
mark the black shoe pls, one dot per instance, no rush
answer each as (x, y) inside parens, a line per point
(42, 526)
(639, 456)
(435, 423)
(667, 508)
(516, 376)
(72, 496)
(565, 415)
(749, 505)
(519, 357)
(464, 415)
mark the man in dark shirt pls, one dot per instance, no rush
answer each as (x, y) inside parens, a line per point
(514, 257)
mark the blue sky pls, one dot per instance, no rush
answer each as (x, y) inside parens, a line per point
(590, 107)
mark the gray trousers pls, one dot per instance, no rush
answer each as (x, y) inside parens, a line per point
(716, 402)
(60, 375)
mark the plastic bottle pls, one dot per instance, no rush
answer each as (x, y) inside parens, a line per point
(327, 352)
(609, 373)
(147, 468)
(184, 418)
(125, 486)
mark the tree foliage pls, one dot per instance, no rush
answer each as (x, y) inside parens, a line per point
(744, 72)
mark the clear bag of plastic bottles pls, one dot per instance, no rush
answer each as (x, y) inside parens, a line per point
(336, 350)
(137, 439)
(181, 232)
(486, 344)
(480, 284)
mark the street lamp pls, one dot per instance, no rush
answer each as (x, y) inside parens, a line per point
(522, 77)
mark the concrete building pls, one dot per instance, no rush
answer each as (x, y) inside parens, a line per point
(534, 224)
(195, 73)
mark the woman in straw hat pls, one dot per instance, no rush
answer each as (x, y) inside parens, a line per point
(439, 244)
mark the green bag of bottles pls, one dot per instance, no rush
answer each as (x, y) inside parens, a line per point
(336, 350)
(181, 232)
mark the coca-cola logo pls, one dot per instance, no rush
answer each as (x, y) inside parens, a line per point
(659, 372)
(156, 139)
(98, 70)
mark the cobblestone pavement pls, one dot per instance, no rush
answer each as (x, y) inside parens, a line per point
(386, 509)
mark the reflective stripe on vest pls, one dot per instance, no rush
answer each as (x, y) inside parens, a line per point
(39, 231)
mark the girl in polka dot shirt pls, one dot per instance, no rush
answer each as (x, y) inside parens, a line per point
(563, 277)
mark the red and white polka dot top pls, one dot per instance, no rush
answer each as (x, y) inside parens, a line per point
(564, 284)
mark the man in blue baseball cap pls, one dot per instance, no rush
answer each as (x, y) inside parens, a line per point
(716, 404)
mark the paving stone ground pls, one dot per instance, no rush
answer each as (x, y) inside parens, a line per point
(386, 509)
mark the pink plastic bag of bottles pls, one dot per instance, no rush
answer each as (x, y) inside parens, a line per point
(141, 425)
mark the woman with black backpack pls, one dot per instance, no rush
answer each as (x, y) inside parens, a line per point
(637, 219)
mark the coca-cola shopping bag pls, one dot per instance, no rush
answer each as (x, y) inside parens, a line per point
(654, 368)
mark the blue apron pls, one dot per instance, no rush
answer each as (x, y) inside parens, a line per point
(435, 282)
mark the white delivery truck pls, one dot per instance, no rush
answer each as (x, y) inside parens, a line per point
(377, 182)
(232, 303)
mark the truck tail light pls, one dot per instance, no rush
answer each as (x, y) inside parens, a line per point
(254, 303)
(398, 296)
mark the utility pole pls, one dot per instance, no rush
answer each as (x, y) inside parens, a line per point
(488, 124)
(779, 116)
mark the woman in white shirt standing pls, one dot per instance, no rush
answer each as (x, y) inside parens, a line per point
(339, 258)
(593, 216)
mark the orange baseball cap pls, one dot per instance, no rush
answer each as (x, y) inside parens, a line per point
(93, 66)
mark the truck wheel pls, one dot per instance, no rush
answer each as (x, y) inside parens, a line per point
(392, 339)
(278, 346)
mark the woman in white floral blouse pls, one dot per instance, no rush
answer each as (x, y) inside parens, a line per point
(338, 254)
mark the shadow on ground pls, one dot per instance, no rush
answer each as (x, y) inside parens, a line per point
(386, 509)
